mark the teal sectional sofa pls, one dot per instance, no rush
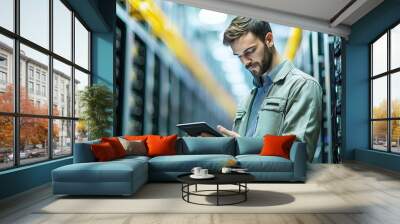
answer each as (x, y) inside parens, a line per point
(125, 176)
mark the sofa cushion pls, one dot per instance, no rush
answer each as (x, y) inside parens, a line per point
(111, 171)
(134, 147)
(116, 145)
(161, 145)
(103, 152)
(206, 145)
(257, 163)
(277, 145)
(185, 163)
(248, 145)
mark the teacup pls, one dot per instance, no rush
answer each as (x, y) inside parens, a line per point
(196, 170)
(226, 170)
(203, 172)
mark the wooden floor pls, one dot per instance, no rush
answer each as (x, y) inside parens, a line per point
(377, 188)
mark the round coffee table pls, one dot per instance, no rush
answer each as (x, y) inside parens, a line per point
(238, 179)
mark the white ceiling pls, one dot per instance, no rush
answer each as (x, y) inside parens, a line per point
(316, 15)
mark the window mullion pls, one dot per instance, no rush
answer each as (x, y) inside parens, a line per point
(16, 84)
(389, 106)
(50, 81)
(73, 83)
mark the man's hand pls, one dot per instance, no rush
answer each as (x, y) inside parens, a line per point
(206, 134)
(227, 132)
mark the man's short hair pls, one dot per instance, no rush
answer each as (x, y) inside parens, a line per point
(242, 25)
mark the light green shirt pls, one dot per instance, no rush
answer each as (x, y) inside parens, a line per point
(293, 105)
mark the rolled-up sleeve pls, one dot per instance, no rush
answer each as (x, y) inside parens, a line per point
(304, 114)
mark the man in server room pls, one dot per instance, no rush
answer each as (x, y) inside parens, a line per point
(284, 99)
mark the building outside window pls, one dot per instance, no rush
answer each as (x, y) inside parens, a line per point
(69, 37)
(384, 92)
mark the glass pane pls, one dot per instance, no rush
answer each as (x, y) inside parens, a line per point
(7, 14)
(81, 45)
(395, 47)
(81, 81)
(379, 97)
(81, 131)
(379, 135)
(6, 74)
(34, 92)
(62, 89)
(33, 139)
(62, 138)
(395, 94)
(6, 142)
(62, 29)
(35, 21)
(395, 136)
(379, 55)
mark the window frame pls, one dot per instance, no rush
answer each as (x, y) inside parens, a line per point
(388, 74)
(16, 115)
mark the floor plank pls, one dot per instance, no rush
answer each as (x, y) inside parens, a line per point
(377, 189)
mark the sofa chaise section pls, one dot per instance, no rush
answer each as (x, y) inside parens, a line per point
(87, 177)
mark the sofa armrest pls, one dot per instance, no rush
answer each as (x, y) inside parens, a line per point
(298, 156)
(83, 152)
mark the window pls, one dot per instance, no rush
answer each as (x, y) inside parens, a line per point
(55, 127)
(30, 72)
(3, 61)
(37, 74)
(38, 89)
(7, 14)
(44, 91)
(385, 95)
(3, 78)
(81, 45)
(30, 87)
(34, 21)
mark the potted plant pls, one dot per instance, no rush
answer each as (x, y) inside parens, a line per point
(96, 103)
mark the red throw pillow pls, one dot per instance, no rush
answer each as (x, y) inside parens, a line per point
(277, 145)
(161, 145)
(116, 145)
(135, 137)
(103, 151)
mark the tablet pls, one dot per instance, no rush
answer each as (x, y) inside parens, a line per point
(196, 128)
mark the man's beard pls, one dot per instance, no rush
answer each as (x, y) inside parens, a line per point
(266, 62)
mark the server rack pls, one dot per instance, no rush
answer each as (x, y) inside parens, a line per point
(336, 49)
(160, 92)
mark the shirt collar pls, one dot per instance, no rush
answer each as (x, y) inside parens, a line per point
(274, 75)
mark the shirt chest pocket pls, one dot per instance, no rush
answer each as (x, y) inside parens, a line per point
(271, 115)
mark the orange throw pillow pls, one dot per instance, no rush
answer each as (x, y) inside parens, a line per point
(116, 145)
(135, 137)
(161, 145)
(103, 152)
(277, 145)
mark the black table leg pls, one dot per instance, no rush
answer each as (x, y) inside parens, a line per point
(245, 193)
(217, 194)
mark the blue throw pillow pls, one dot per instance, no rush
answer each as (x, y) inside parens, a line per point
(206, 145)
(249, 145)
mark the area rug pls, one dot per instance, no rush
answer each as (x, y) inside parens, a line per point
(167, 198)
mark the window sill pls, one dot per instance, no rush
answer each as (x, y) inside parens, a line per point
(26, 167)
